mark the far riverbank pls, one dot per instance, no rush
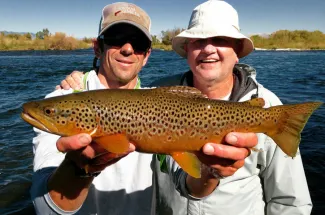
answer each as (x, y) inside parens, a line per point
(287, 49)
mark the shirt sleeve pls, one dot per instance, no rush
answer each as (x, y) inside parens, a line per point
(285, 185)
(46, 159)
(178, 176)
(284, 181)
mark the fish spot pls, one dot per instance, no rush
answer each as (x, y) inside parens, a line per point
(192, 133)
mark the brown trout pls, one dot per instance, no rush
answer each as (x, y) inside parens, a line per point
(169, 120)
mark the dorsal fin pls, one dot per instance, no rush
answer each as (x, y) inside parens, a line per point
(184, 91)
(258, 102)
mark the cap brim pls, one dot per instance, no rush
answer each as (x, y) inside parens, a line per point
(145, 31)
(180, 40)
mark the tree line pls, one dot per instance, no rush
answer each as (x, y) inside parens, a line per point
(44, 40)
(298, 39)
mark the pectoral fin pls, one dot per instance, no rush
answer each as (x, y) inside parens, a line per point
(189, 163)
(117, 143)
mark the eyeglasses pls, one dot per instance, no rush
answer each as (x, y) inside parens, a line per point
(139, 43)
(199, 43)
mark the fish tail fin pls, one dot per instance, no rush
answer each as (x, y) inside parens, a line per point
(290, 125)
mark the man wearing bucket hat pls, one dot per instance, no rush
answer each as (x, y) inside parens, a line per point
(60, 184)
(269, 182)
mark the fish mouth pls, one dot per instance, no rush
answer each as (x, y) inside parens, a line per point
(30, 116)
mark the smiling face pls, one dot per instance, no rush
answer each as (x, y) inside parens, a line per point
(126, 51)
(212, 59)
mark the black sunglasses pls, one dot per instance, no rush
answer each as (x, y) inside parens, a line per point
(139, 43)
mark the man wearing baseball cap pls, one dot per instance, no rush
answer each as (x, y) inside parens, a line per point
(269, 182)
(61, 183)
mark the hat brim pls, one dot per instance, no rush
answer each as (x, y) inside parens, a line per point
(231, 32)
(145, 31)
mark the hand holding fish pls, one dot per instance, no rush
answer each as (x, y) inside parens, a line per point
(221, 160)
(227, 158)
(87, 155)
(83, 153)
(80, 152)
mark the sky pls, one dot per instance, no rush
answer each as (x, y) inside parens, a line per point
(80, 18)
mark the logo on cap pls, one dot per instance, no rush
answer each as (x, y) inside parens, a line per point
(127, 9)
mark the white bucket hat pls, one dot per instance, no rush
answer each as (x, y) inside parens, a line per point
(213, 18)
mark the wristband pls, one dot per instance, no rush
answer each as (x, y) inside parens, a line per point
(82, 173)
(211, 171)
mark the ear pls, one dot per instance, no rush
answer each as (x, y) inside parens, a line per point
(239, 46)
(185, 47)
(96, 48)
(146, 57)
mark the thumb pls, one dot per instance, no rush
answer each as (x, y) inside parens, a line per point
(208, 149)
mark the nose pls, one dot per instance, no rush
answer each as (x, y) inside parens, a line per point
(209, 48)
(127, 49)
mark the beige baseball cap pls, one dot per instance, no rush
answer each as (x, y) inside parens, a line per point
(213, 18)
(123, 12)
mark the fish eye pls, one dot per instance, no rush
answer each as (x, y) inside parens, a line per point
(49, 111)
